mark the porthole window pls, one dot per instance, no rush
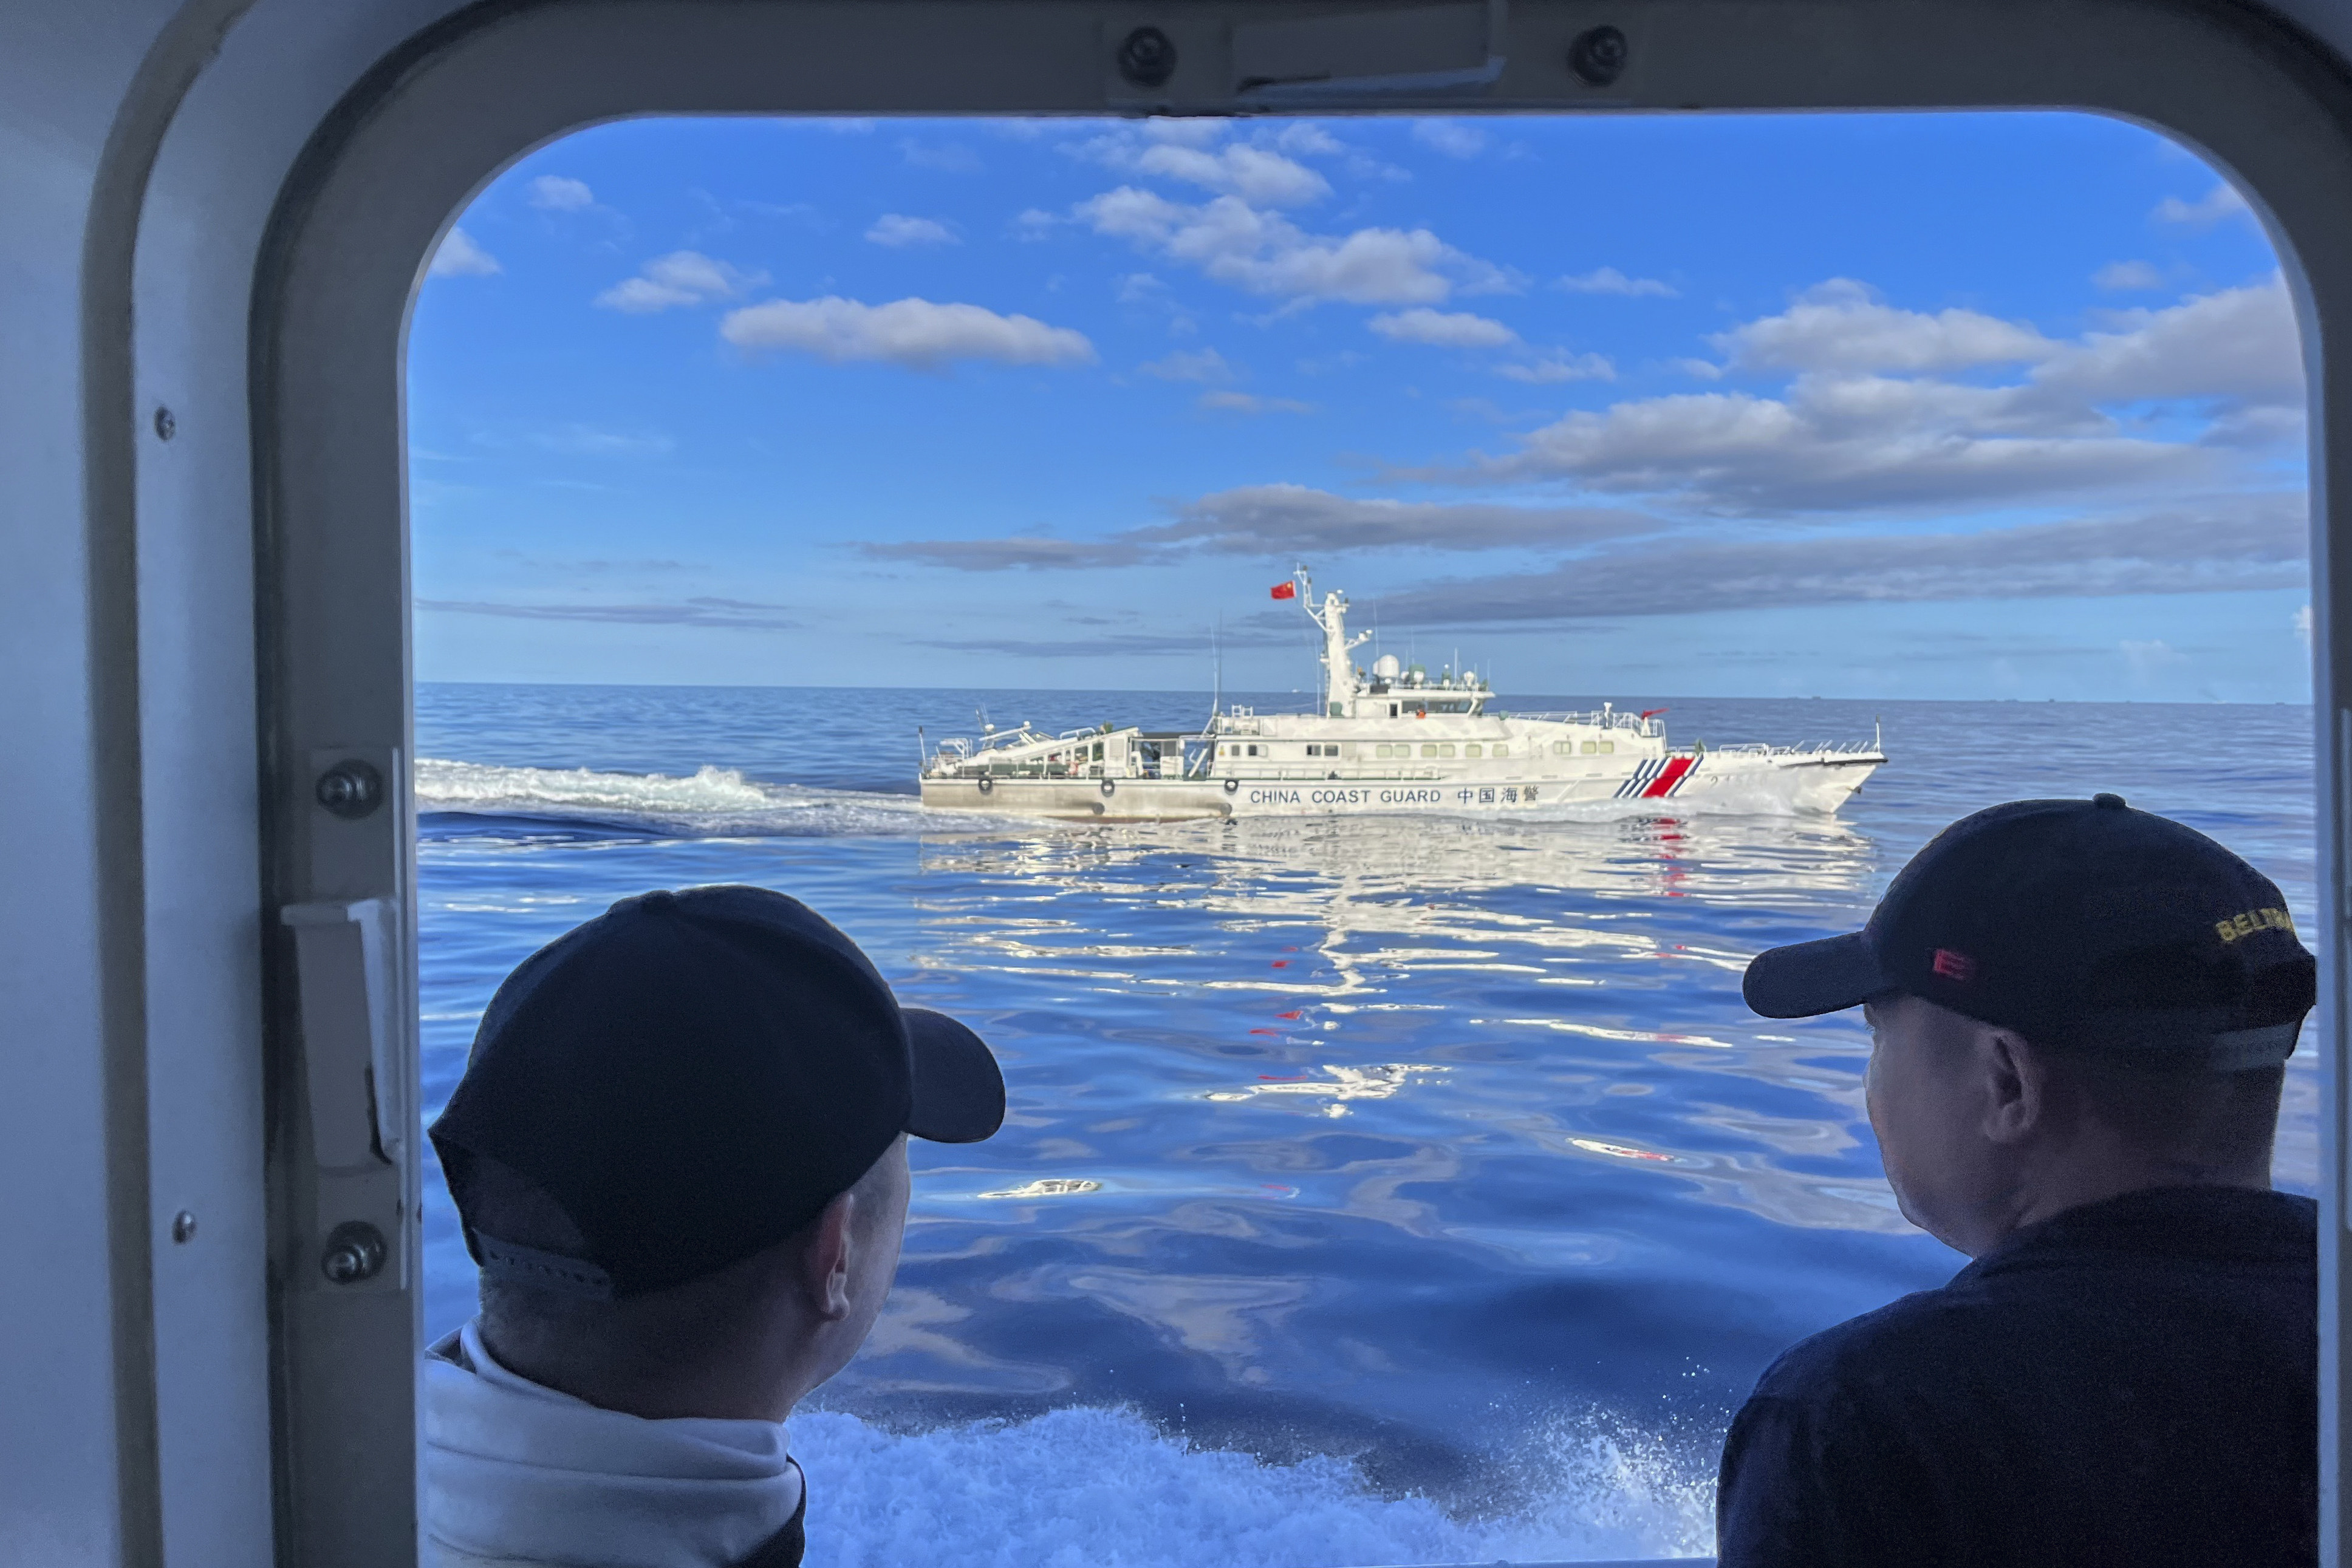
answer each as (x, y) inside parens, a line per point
(1590, 746)
(1498, 750)
(1608, 746)
(1446, 749)
(1563, 748)
(1473, 749)
(1429, 748)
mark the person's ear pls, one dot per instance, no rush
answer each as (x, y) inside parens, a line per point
(826, 1264)
(2016, 1086)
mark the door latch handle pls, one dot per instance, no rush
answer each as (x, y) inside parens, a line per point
(344, 956)
(1453, 47)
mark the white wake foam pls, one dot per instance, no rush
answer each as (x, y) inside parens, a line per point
(1103, 1488)
(711, 802)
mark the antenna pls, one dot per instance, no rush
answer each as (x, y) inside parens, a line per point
(1216, 673)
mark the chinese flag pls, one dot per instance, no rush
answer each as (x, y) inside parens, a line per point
(1285, 591)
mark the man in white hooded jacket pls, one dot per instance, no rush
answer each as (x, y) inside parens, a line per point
(678, 1151)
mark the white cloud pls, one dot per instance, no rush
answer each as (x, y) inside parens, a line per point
(1838, 437)
(1443, 330)
(916, 334)
(681, 278)
(1300, 138)
(1450, 137)
(2237, 343)
(2235, 544)
(2127, 275)
(459, 256)
(2223, 201)
(2149, 659)
(897, 230)
(1553, 368)
(1246, 402)
(587, 441)
(1289, 520)
(1609, 280)
(1034, 224)
(1205, 366)
(947, 157)
(1833, 443)
(742, 614)
(1836, 442)
(1461, 330)
(1197, 151)
(1252, 174)
(1265, 254)
(1842, 325)
(1188, 131)
(556, 194)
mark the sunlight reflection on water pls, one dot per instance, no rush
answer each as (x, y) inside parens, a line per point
(1384, 1138)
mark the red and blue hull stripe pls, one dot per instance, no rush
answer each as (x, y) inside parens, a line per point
(1657, 778)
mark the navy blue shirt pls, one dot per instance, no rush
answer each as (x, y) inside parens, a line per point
(2133, 1382)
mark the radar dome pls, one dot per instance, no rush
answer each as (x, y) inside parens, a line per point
(1386, 667)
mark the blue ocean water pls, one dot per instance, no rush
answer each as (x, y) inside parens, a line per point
(1374, 1190)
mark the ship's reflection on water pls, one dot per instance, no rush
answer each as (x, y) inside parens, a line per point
(1415, 1128)
(1404, 1139)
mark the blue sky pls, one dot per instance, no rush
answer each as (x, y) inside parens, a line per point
(1908, 406)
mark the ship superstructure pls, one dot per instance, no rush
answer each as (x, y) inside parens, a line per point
(1389, 739)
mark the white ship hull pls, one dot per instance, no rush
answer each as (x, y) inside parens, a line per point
(1749, 780)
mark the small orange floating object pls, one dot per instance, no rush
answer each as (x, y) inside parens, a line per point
(1273, 1031)
(1294, 1013)
(1281, 963)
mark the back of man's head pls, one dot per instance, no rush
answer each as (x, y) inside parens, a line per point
(678, 1150)
(2069, 999)
(701, 1346)
(2189, 1116)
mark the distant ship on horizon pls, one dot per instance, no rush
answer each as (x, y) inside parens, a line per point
(1386, 740)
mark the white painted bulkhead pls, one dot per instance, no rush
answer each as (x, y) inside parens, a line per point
(174, 1397)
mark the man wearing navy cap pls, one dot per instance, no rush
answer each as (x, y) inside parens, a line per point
(678, 1152)
(2080, 1016)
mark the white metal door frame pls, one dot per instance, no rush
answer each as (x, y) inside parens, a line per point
(388, 169)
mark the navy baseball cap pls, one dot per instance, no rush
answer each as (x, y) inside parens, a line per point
(691, 1077)
(2081, 924)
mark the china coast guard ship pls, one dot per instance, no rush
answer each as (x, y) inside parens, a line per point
(1384, 741)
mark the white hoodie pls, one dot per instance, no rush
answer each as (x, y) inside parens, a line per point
(517, 1474)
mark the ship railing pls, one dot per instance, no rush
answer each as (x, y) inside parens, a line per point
(1607, 718)
(1803, 749)
(994, 740)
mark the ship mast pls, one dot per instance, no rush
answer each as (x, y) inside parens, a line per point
(1338, 669)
